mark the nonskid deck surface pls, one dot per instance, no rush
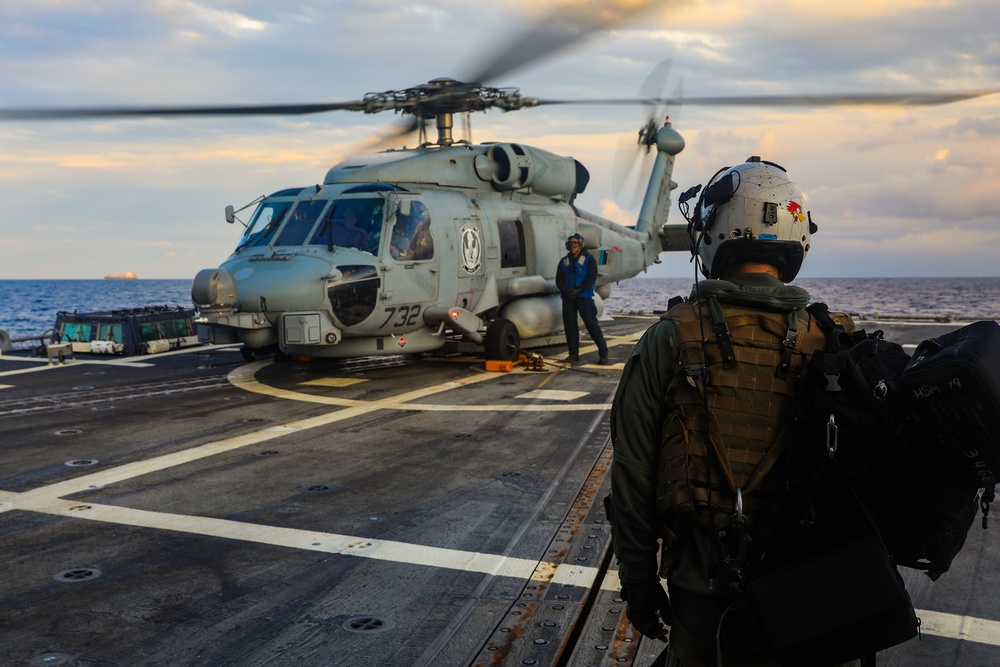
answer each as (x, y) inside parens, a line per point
(194, 509)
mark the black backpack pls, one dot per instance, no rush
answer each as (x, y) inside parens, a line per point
(825, 551)
(849, 404)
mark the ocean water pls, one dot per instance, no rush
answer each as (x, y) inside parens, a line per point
(865, 298)
(29, 307)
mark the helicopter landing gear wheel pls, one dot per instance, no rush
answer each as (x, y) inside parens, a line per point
(503, 342)
(247, 353)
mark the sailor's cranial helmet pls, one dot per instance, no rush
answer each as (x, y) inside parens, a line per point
(752, 212)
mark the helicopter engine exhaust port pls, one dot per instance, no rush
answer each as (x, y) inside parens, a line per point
(513, 166)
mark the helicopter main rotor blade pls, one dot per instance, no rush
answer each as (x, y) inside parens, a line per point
(148, 112)
(826, 100)
(560, 29)
(832, 100)
(390, 138)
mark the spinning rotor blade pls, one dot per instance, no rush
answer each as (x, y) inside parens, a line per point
(833, 100)
(633, 151)
(390, 138)
(563, 27)
(554, 32)
(146, 112)
(825, 100)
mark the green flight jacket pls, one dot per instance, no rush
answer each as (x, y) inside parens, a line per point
(637, 418)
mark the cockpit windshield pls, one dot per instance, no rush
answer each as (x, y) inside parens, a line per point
(351, 223)
(265, 223)
(301, 222)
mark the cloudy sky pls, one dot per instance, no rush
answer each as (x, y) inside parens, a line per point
(896, 191)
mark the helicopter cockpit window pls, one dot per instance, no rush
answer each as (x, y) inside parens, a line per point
(411, 235)
(301, 222)
(265, 222)
(351, 223)
(511, 243)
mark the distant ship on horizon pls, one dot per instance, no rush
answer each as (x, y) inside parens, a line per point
(122, 276)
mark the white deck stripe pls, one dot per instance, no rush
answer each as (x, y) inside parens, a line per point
(308, 540)
(966, 628)
(939, 624)
(141, 361)
(48, 500)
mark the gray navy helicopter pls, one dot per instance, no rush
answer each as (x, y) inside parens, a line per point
(402, 250)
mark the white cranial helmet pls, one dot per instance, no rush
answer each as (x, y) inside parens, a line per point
(752, 212)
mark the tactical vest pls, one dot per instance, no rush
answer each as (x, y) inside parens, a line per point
(730, 405)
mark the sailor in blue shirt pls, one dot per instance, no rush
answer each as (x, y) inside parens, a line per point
(575, 278)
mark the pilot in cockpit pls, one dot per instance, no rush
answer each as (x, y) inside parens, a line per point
(346, 231)
(411, 235)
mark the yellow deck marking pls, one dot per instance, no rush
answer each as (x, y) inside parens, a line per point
(553, 395)
(566, 407)
(244, 378)
(607, 367)
(334, 382)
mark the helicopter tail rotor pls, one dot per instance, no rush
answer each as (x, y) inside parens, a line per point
(634, 153)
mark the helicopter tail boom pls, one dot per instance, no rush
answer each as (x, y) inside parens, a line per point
(656, 204)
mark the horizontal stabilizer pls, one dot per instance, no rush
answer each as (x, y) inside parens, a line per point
(674, 237)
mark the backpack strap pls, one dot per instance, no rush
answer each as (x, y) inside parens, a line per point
(832, 363)
(687, 341)
(722, 336)
(821, 312)
(788, 345)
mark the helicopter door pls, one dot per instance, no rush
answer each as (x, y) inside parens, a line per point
(411, 283)
(544, 243)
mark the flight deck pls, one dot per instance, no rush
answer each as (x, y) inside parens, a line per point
(194, 508)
